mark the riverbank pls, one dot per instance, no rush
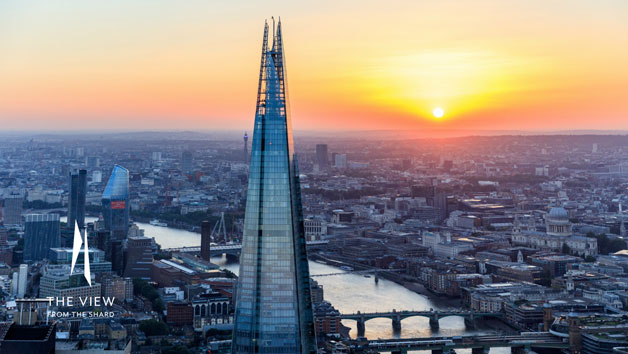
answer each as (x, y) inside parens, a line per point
(440, 301)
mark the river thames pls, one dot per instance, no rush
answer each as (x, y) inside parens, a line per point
(349, 293)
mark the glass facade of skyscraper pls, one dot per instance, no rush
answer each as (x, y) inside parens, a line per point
(41, 233)
(115, 201)
(273, 303)
(76, 201)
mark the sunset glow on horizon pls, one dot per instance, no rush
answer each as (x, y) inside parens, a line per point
(352, 65)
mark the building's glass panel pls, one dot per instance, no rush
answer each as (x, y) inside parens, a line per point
(115, 201)
(273, 305)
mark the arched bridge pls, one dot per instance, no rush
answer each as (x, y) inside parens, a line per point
(396, 316)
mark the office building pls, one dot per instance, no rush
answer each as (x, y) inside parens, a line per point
(15, 280)
(187, 161)
(273, 304)
(41, 233)
(340, 161)
(138, 257)
(76, 199)
(115, 202)
(322, 157)
(97, 177)
(97, 262)
(3, 236)
(315, 229)
(58, 283)
(121, 289)
(179, 313)
(92, 162)
(12, 208)
(22, 280)
(433, 198)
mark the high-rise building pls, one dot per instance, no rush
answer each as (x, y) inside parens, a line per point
(15, 283)
(273, 304)
(92, 162)
(76, 200)
(115, 202)
(340, 161)
(206, 233)
(41, 233)
(246, 147)
(322, 157)
(3, 236)
(138, 257)
(96, 177)
(434, 198)
(22, 280)
(12, 208)
(448, 165)
(6, 251)
(186, 161)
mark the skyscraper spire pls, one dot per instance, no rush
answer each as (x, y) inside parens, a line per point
(246, 147)
(273, 303)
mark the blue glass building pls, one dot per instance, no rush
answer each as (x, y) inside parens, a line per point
(273, 303)
(41, 233)
(115, 202)
(76, 200)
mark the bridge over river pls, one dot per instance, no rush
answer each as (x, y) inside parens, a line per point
(232, 250)
(396, 316)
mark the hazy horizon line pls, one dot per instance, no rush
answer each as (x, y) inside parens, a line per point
(339, 131)
(229, 135)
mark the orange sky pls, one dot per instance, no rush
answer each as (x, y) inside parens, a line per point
(352, 65)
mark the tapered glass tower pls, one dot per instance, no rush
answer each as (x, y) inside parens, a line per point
(273, 303)
(115, 201)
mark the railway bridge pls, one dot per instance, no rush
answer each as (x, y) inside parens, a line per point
(396, 316)
(519, 343)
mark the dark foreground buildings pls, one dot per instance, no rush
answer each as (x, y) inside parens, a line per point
(37, 338)
(273, 304)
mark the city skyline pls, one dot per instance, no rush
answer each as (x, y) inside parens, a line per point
(491, 65)
(457, 180)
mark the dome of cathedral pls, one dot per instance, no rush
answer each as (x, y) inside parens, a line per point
(558, 213)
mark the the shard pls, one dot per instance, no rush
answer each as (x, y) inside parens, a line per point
(273, 302)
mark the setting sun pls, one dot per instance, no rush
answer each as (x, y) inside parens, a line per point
(438, 112)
